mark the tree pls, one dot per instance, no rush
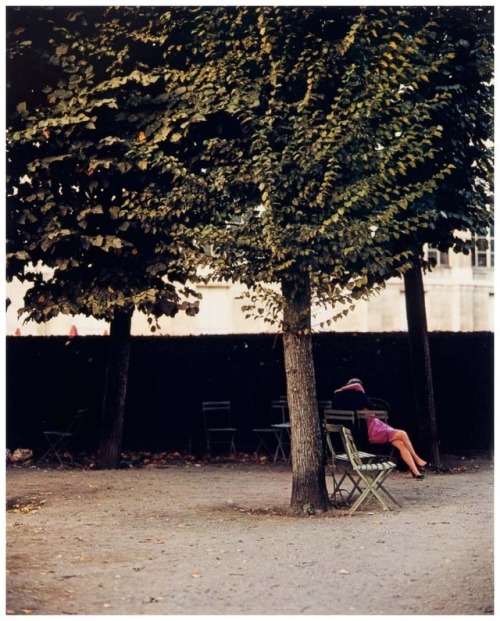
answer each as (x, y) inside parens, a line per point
(88, 184)
(462, 202)
(310, 188)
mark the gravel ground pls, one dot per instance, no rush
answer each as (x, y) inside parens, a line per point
(191, 539)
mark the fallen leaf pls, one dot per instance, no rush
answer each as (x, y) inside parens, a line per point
(196, 574)
(344, 571)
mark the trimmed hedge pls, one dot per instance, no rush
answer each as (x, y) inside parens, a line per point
(48, 378)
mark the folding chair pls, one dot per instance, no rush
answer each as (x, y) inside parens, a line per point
(370, 476)
(59, 440)
(339, 416)
(218, 425)
(277, 431)
(337, 459)
(348, 418)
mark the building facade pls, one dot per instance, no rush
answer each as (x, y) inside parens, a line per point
(459, 295)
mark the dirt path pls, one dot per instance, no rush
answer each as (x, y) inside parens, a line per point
(208, 539)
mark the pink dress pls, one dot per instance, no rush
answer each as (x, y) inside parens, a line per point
(378, 431)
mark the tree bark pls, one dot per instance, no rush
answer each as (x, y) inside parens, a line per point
(115, 391)
(421, 364)
(309, 492)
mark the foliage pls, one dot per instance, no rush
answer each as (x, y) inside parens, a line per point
(291, 140)
(463, 201)
(335, 138)
(88, 183)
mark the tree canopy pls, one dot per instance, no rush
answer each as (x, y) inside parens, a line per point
(463, 202)
(87, 186)
(330, 134)
(290, 139)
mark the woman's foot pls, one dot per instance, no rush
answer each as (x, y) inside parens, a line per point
(418, 476)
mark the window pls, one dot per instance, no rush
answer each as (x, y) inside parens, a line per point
(483, 254)
(440, 259)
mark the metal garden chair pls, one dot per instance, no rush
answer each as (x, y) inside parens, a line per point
(339, 465)
(219, 429)
(370, 476)
(273, 437)
(59, 440)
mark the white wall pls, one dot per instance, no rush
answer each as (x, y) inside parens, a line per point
(458, 298)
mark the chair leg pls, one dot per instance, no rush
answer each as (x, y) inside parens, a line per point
(261, 443)
(337, 484)
(337, 488)
(279, 447)
(371, 489)
(54, 448)
(231, 442)
(389, 495)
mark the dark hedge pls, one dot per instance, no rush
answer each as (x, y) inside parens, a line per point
(48, 378)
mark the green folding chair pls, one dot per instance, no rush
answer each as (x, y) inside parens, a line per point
(370, 477)
(340, 468)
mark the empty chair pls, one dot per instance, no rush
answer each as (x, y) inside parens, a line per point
(273, 437)
(370, 476)
(59, 440)
(333, 416)
(218, 425)
(338, 460)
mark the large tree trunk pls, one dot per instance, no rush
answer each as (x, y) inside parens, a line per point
(421, 363)
(309, 492)
(115, 391)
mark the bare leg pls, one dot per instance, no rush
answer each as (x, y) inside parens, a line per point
(403, 437)
(402, 442)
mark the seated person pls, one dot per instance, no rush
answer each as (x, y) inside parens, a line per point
(352, 397)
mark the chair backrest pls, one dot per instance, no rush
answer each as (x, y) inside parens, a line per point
(77, 421)
(350, 448)
(216, 414)
(382, 414)
(379, 404)
(279, 412)
(333, 416)
(331, 429)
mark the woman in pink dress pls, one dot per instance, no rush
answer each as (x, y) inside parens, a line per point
(352, 397)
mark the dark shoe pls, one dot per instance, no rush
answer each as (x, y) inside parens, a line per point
(418, 476)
